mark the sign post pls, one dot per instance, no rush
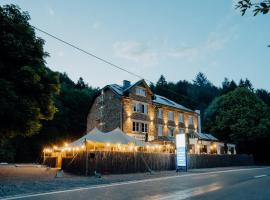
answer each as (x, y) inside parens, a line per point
(181, 152)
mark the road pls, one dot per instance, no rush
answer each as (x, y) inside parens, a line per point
(244, 183)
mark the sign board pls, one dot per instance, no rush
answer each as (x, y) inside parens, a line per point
(181, 155)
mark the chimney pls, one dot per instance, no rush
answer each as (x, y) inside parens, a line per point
(126, 84)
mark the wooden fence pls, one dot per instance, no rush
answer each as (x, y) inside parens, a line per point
(118, 162)
(207, 161)
(106, 162)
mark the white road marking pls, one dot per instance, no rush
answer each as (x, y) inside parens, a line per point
(127, 183)
(191, 192)
(260, 176)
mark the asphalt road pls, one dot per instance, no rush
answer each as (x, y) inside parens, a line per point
(245, 183)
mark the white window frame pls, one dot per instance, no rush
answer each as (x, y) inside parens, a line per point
(190, 120)
(181, 118)
(170, 128)
(160, 130)
(170, 116)
(140, 91)
(160, 113)
(135, 126)
(138, 126)
(140, 107)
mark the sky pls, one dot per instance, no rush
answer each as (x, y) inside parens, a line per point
(176, 38)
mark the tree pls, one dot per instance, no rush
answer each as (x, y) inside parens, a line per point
(68, 124)
(264, 95)
(228, 86)
(201, 80)
(245, 84)
(242, 118)
(257, 7)
(27, 86)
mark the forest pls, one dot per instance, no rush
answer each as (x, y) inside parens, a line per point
(39, 106)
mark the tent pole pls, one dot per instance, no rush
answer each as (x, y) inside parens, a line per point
(86, 158)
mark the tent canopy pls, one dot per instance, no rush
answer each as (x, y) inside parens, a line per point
(116, 136)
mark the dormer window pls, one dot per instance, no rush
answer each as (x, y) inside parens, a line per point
(140, 91)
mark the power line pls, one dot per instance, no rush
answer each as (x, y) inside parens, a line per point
(97, 57)
(90, 54)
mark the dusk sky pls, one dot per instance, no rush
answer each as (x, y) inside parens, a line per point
(175, 38)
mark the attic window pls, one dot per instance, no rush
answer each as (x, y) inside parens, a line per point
(140, 91)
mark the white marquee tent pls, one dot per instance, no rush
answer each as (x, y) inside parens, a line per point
(116, 136)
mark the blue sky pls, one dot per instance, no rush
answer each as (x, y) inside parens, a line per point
(176, 38)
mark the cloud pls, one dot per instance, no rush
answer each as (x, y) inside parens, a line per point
(60, 53)
(51, 12)
(96, 25)
(216, 41)
(135, 51)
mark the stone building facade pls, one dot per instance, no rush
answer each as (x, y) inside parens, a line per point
(140, 113)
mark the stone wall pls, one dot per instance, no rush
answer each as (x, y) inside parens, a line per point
(108, 117)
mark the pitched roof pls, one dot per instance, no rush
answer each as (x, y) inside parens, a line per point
(164, 101)
(206, 136)
(157, 98)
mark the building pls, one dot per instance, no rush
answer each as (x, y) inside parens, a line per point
(205, 143)
(140, 113)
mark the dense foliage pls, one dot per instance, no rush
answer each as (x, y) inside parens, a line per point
(69, 123)
(239, 117)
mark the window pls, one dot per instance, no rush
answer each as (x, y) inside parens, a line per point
(135, 127)
(160, 130)
(140, 127)
(170, 131)
(181, 130)
(140, 91)
(144, 127)
(140, 107)
(159, 113)
(181, 118)
(190, 120)
(170, 115)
